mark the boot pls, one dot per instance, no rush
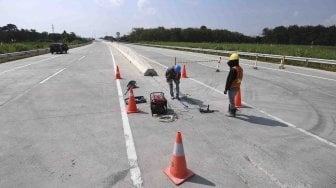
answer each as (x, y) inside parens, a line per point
(231, 113)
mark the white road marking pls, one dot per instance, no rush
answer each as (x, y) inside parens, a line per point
(81, 58)
(281, 70)
(52, 76)
(298, 128)
(290, 72)
(261, 111)
(153, 61)
(131, 152)
(26, 65)
(213, 67)
(203, 84)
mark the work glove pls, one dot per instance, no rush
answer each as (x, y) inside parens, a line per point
(225, 92)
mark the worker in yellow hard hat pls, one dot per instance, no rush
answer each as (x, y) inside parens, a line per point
(233, 82)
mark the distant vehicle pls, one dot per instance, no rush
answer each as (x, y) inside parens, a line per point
(58, 48)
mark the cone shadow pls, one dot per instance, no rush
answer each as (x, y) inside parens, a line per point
(142, 112)
(200, 180)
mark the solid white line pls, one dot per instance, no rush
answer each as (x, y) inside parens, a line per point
(206, 65)
(290, 72)
(213, 67)
(298, 128)
(274, 117)
(52, 76)
(203, 84)
(153, 61)
(130, 148)
(26, 65)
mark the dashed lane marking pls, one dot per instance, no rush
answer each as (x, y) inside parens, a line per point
(52, 76)
(81, 58)
(26, 65)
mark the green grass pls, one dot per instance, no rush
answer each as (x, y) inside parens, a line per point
(323, 52)
(18, 47)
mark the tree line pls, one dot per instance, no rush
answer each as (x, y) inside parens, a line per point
(306, 35)
(10, 33)
(202, 34)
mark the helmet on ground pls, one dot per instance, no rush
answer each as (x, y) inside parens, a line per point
(233, 57)
(177, 68)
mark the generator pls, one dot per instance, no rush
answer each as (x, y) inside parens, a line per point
(158, 103)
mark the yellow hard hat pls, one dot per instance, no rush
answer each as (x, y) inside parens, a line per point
(234, 56)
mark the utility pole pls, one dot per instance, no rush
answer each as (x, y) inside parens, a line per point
(118, 36)
(52, 28)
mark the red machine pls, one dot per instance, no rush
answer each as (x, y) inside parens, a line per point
(158, 103)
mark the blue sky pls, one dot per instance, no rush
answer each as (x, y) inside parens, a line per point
(97, 18)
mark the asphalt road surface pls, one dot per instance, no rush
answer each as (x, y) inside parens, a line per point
(63, 123)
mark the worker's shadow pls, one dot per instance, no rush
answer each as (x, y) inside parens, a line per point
(260, 120)
(193, 101)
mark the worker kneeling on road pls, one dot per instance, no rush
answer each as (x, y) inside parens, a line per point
(233, 82)
(173, 73)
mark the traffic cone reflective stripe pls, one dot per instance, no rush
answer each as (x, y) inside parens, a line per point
(184, 72)
(177, 171)
(132, 108)
(117, 76)
(238, 103)
(179, 161)
(178, 150)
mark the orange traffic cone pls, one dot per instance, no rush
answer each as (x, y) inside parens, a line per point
(177, 171)
(131, 108)
(184, 72)
(117, 76)
(238, 100)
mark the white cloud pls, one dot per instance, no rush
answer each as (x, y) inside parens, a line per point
(331, 20)
(145, 6)
(296, 13)
(192, 2)
(116, 2)
(111, 3)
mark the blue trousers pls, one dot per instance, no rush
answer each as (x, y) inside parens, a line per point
(232, 93)
(171, 89)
